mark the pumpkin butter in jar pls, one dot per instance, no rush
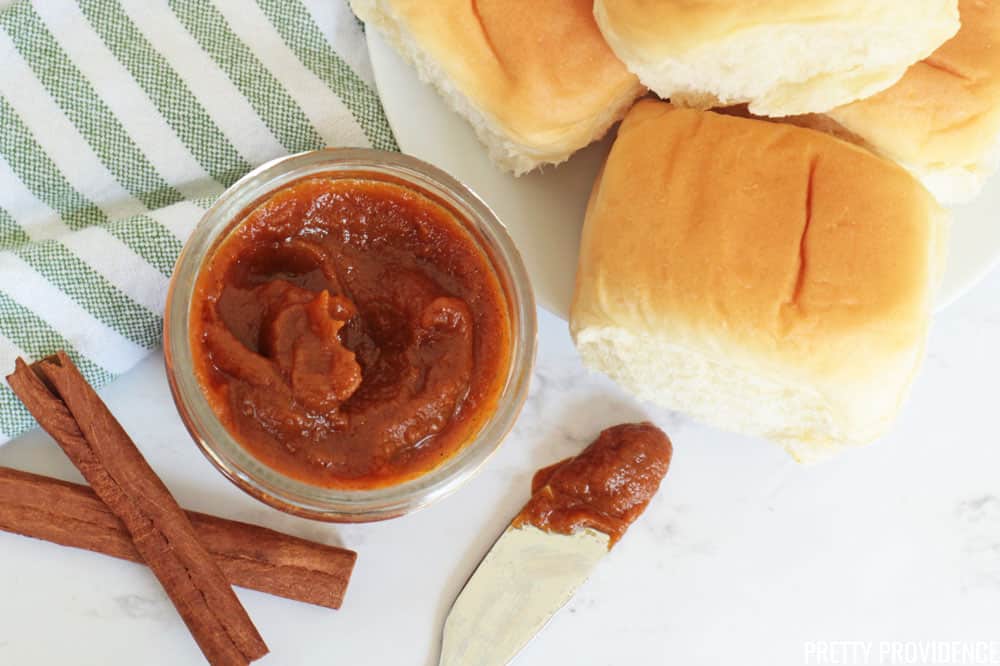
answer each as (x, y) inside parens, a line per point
(349, 333)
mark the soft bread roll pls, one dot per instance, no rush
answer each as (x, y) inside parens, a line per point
(534, 77)
(942, 120)
(784, 57)
(764, 278)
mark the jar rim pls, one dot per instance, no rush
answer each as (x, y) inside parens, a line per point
(284, 492)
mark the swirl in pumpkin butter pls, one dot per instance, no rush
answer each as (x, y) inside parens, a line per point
(350, 333)
(606, 487)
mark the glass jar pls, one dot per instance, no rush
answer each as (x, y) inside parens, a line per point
(266, 483)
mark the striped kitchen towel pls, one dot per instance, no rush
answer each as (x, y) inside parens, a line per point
(120, 122)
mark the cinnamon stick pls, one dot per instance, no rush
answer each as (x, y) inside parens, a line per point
(250, 556)
(69, 409)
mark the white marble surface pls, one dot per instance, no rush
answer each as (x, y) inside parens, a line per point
(741, 558)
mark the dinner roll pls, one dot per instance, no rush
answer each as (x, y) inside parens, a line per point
(784, 57)
(942, 120)
(764, 278)
(534, 77)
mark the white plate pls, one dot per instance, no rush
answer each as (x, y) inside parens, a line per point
(544, 211)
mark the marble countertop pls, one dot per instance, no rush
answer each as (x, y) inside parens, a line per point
(743, 557)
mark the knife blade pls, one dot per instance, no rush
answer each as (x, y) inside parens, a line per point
(526, 577)
(579, 508)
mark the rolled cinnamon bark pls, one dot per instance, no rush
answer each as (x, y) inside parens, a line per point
(69, 409)
(250, 556)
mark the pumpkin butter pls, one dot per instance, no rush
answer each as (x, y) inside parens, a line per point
(350, 333)
(604, 488)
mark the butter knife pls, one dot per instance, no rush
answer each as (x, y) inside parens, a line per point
(527, 576)
(578, 510)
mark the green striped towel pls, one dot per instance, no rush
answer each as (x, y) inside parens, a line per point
(120, 122)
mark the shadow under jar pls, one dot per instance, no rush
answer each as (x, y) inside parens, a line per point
(349, 334)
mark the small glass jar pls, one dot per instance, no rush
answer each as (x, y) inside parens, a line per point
(284, 492)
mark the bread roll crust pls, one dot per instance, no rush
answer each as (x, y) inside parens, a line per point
(536, 78)
(784, 57)
(942, 119)
(772, 252)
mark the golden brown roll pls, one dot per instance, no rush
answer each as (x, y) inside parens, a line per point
(765, 278)
(784, 57)
(942, 120)
(534, 77)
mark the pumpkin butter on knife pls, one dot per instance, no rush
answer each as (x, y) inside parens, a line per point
(579, 509)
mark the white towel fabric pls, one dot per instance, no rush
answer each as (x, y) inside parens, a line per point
(120, 122)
